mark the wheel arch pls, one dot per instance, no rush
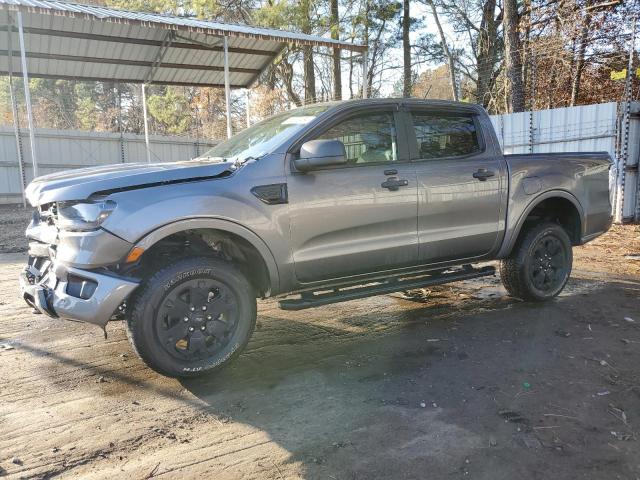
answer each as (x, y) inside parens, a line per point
(248, 242)
(562, 205)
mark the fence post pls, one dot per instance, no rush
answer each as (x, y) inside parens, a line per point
(531, 129)
(624, 147)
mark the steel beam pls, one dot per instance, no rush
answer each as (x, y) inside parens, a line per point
(140, 41)
(132, 63)
(124, 80)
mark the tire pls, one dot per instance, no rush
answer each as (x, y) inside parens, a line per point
(192, 317)
(540, 263)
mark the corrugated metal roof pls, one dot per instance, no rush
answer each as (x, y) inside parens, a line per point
(87, 42)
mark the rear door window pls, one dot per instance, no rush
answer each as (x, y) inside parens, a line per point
(441, 135)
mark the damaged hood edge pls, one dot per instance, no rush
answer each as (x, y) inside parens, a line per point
(82, 183)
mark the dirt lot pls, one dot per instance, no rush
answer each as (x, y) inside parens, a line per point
(461, 382)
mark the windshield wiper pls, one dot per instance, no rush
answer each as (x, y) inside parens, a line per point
(218, 159)
(249, 158)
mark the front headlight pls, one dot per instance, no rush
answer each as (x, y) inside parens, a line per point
(84, 216)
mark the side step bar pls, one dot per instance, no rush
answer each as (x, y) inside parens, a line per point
(344, 294)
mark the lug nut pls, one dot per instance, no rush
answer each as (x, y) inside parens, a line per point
(204, 307)
(193, 309)
(191, 329)
(209, 317)
(186, 319)
(202, 328)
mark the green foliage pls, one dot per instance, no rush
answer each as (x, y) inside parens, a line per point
(285, 14)
(172, 110)
(86, 114)
(171, 7)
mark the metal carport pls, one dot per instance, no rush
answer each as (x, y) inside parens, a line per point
(55, 39)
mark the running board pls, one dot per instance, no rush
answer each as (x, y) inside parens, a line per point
(344, 294)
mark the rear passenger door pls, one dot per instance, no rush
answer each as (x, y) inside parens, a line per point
(459, 185)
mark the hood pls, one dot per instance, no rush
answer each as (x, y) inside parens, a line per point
(82, 183)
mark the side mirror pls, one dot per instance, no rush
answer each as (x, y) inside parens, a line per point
(315, 154)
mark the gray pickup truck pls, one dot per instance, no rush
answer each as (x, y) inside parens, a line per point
(321, 204)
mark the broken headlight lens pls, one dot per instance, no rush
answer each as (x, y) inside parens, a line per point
(85, 216)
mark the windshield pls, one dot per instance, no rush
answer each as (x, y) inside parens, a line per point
(263, 137)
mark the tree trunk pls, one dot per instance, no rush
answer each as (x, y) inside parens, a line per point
(335, 34)
(579, 65)
(512, 56)
(286, 71)
(447, 52)
(487, 53)
(406, 49)
(366, 80)
(307, 57)
(309, 75)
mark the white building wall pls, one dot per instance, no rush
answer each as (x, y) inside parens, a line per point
(66, 149)
(588, 128)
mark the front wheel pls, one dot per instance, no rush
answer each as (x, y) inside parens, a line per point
(192, 317)
(539, 265)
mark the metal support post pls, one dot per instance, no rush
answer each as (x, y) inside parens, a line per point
(146, 122)
(227, 88)
(624, 148)
(27, 96)
(14, 111)
(248, 110)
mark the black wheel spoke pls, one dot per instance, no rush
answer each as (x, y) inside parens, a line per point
(199, 296)
(197, 343)
(177, 331)
(217, 328)
(175, 307)
(557, 261)
(538, 278)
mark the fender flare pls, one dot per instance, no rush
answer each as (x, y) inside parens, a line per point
(512, 234)
(164, 231)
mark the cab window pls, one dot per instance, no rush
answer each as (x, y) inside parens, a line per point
(442, 135)
(368, 137)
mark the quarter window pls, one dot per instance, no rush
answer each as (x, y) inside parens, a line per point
(367, 138)
(441, 136)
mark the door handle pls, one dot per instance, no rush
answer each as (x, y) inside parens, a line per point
(394, 184)
(392, 171)
(482, 174)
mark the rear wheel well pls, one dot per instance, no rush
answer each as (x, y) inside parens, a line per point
(209, 243)
(557, 210)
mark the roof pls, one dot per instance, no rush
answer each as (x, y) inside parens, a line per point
(87, 42)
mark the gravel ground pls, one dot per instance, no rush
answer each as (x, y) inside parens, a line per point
(458, 382)
(13, 222)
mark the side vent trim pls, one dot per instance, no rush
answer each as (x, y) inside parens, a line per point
(273, 194)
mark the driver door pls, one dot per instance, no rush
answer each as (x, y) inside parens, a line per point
(343, 220)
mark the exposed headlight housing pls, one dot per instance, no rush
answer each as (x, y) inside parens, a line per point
(84, 216)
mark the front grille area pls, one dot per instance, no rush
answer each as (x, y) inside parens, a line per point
(42, 233)
(47, 214)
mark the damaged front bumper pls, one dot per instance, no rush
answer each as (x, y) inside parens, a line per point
(62, 291)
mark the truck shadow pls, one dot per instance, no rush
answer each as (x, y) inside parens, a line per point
(367, 390)
(407, 397)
